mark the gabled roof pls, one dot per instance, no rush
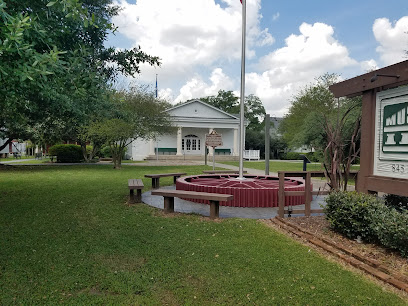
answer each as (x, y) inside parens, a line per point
(213, 108)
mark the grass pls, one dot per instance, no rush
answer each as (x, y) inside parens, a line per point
(43, 160)
(46, 160)
(13, 158)
(69, 237)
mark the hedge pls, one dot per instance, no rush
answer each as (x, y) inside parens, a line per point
(400, 203)
(292, 156)
(360, 215)
(66, 153)
(312, 156)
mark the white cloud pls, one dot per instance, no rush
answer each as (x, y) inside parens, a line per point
(393, 39)
(196, 87)
(166, 94)
(186, 34)
(275, 16)
(306, 56)
(370, 65)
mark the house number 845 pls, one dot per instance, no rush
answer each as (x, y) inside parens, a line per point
(397, 168)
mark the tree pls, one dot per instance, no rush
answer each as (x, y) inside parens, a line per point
(318, 120)
(138, 114)
(224, 100)
(254, 113)
(229, 103)
(54, 64)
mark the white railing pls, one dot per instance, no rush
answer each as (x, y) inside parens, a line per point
(251, 154)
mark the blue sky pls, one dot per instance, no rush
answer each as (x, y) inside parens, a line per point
(289, 43)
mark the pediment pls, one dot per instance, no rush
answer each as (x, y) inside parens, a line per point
(199, 109)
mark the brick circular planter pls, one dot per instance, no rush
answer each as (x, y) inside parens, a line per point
(253, 191)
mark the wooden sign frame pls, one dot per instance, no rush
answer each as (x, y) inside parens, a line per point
(369, 85)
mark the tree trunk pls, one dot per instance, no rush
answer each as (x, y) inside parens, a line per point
(84, 153)
(117, 156)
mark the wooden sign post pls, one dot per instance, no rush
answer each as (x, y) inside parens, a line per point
(213, 140)
(384, 128)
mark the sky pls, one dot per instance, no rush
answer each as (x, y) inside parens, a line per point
(289, 44)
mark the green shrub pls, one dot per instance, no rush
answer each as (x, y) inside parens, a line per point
(400, 203)
(89, 149)
(360, 215)
(391, 229)
(66, 153)
(314, 157)
(350, 213)
(106, 152)
(292, 156)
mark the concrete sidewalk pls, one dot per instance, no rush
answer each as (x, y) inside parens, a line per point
(184, 206)
(188, 207)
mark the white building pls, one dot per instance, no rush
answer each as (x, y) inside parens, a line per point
(13, 147)
(193, 119)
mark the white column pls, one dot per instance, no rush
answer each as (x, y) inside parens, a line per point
(151, 146)
(179, 150)
(210, 149)
(235, 153)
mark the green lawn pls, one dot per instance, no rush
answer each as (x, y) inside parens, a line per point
(68, 236)
(13, 158)
(280, 165)
(45, 160)
(33, 161)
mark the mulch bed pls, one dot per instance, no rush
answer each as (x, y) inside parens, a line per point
(319, 227)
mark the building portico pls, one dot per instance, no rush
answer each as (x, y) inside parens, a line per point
(193, 120)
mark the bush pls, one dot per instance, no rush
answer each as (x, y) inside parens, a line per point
(391, 229)
(400, 203)
(106, 152)
(292, 156)
(350, 214)
(66, 153)
(314, 157)
(356, 214)
(89, 149)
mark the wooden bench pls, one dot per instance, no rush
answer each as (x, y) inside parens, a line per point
(214, 199)
(166, 151)
(222, 171)
(156, 178)
(138, 185)
(222, 151)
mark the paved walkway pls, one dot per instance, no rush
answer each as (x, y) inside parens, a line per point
(17, 160)
(188, 207)
(184, 206)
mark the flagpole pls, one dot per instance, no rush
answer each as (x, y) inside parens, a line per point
(242, 109)
(156, 85)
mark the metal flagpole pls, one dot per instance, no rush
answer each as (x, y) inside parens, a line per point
(241, 122)
(156, 85)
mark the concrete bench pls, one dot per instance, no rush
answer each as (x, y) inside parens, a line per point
(222, 171)
(156, 178)
(135, 184)
(214, 199)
